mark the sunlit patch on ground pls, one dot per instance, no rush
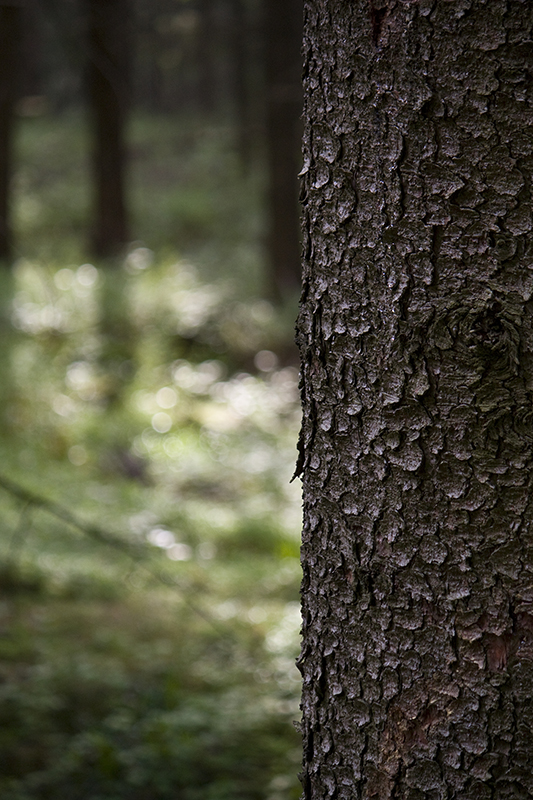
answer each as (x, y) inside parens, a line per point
(150, 650)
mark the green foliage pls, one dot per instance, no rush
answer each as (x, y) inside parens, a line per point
(99, 700)
(148, 587)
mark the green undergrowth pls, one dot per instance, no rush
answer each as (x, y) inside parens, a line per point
(149, 543)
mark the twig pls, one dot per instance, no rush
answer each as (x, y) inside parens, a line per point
(135, 552)
(55, 509)
(16, 539)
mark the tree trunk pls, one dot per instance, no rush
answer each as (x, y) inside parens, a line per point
(108, 90)
(207, 46)
(283, 26)
(416, 336)
(238, 36)
(10, 57)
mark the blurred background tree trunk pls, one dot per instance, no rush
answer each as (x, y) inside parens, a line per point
(206, 62)
(108, 86)
(238, 46)
(283, 36)
(11, 28)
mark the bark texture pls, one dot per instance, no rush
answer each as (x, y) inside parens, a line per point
(416, 336)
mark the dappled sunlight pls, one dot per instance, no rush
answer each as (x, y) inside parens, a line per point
(166, 423)
(150, 555)
(62, 305)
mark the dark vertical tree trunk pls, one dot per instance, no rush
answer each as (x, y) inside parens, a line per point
(206, 61)
(240, 77)
(108, 90)
(416, 335)
(10, 62)
(32, 54)
(283, 30)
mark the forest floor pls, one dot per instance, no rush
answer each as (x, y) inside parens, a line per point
(149, 609)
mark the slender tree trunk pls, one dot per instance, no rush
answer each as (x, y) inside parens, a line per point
(283, 29)
(240, 77)
(108, 91)
(32, 54)
(206, 59)
(417, 362)
(10, 62)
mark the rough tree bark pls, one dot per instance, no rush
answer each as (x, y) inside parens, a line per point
(108, 33)
(11, 12)
(416, 336)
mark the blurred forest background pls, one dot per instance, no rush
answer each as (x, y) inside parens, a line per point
(149, 404)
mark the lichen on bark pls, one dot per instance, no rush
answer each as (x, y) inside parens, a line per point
(416, 339)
